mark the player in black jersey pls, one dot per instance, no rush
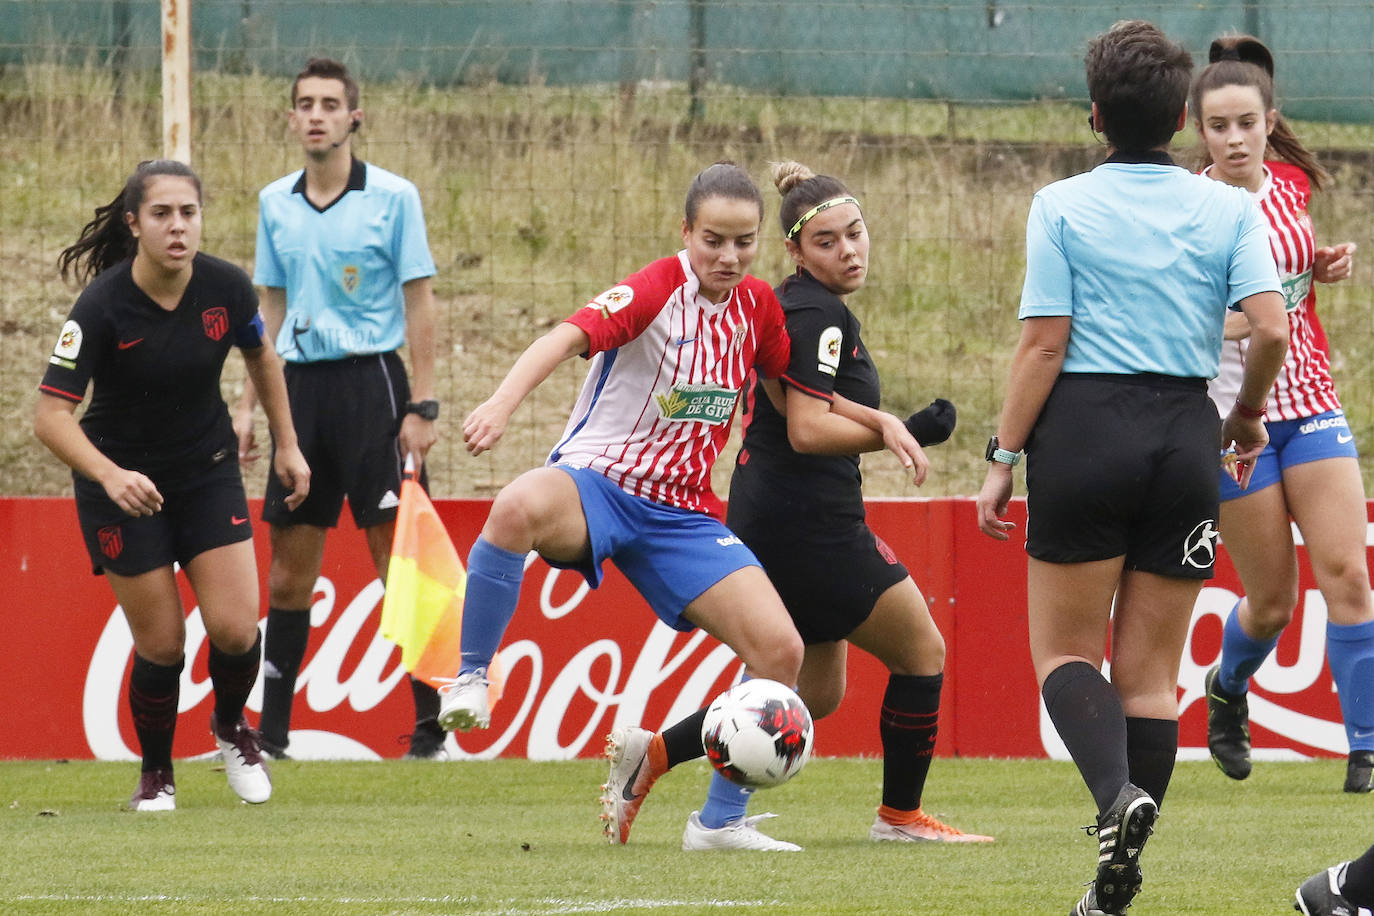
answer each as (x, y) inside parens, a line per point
(153, 456)
(796, 500)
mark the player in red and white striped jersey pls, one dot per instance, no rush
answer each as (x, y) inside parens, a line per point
(1304, 387)
(669, 363)
(1310, 470)
(671, 349)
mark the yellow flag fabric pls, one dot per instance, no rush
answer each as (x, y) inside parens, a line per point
(423, 608)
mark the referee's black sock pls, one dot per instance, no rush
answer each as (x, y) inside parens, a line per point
(1086, 712)
(682, 740)
(288, 631)
(1151, 748)
(426, 701)
(153, 693)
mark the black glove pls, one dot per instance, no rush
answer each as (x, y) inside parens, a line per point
(932, 425)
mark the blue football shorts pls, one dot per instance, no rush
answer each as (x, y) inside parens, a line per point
(670, 555)
(1327, 435)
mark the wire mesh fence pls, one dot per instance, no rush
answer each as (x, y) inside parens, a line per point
(552, 144)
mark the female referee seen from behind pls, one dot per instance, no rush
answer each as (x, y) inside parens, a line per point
(153, 456)
(1130, 270)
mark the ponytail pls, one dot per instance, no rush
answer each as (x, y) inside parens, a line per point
(106, 240)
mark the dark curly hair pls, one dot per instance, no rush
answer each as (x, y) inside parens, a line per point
(1139, 80)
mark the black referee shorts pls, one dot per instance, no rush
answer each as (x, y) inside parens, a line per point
(347, 414)
(1125, 466)
(199, 512)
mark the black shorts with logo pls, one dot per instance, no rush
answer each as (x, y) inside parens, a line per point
(347, 414)
(199, 512)
(1125, 465)
(829, 588)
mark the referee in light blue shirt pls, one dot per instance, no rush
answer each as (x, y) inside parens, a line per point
(345, 271)
(1130, 269)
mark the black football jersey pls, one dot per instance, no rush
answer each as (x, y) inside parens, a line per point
(156, 405)
(828, 358)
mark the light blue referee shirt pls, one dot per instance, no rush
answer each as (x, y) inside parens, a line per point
(1145, 257)
(342, 267)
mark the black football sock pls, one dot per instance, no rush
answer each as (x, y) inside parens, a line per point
(426, 701)
(1086, 712)
(232, 677)
(1151, 748)
(153, 694)
(932, 425)
(288, 632)
(906, 725)
(1359, 880)
(682, 740)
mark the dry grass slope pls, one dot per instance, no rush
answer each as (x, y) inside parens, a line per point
(538, 198)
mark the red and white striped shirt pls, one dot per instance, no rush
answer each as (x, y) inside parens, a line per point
(1304, 387)
(667, 367)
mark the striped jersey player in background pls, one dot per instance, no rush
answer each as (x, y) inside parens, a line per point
(1310, 469)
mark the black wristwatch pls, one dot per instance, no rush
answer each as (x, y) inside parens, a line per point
(1000, 455)
(425, 410)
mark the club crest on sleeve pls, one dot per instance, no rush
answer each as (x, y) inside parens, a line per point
(828, 352)
(68, 341)
(613, 300)
(215, 321)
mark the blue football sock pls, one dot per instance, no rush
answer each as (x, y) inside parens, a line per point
(493, 590)
(725, 801)
(1241, 655)
(1350, 652)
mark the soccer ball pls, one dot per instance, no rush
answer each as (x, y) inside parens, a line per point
(757, 734)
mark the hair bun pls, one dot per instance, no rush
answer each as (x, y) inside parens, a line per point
(1244, 48)
(787, 175)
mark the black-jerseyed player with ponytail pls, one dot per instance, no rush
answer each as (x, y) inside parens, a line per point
(153, 456)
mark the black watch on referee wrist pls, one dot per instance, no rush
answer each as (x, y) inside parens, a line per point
(425, 410)
(1000, 455)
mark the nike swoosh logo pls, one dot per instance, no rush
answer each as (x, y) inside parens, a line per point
(236, 520)
(126, 344)
(683, 341)
(1365, 733)
(627, 793)
(1343, 439)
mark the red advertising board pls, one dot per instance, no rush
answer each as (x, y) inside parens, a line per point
(579, 661)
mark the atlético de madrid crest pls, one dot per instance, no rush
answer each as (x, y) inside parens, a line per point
(215, 321)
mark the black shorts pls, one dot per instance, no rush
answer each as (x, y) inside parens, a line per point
(347, 414)
(1125, 466)
(199, 513)
(829, 588)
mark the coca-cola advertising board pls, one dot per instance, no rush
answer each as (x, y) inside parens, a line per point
(578, 661)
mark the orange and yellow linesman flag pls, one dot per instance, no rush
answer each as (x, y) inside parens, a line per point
(423, 608)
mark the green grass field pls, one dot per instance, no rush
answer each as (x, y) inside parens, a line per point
(516, 837)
